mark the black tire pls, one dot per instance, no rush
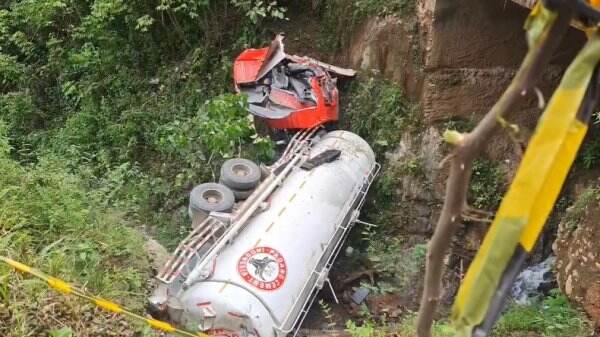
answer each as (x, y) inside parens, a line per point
(240, 174)
(240, 194)
(211, 197)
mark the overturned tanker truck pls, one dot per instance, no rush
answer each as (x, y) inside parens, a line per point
(264, 239)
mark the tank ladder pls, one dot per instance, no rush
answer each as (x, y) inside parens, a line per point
(212, 234)
(206, 233)
(293, 156)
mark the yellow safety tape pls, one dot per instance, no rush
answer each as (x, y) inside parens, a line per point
(104, 304)
(159, 325)
(17, 265)
(533, 192)
(108, 305)
(59, 285)
(553, 184)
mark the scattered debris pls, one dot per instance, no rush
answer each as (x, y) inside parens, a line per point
(360, 295)
(349, 251)
(370, 273)
(388, 306)
(326, 156)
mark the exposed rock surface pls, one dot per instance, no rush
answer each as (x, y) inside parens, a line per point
(475, 48)
(157, 253)
(455, 58)
(578, 254)
(416, 161)
(390, 46)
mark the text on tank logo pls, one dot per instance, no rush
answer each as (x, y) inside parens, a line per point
(263, 267)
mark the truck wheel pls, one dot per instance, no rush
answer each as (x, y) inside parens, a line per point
(211, 197)
(240, 174)
(239, 194)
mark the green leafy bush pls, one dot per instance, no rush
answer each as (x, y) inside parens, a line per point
(383, 7)
(378, 111)
(589, 155)
(552, 317)
(487, 184)
(110, 84)
(398, 265)
(404, 328)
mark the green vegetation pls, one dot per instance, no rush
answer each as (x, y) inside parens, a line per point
(589, 156)
(341, 17)
(130, 87)
(377, 110)
(399, 266)
(413, 167)
(460, 125)
(63, 332)
(327, 313)
(404, 328)
(357, 10)
(110, 111)
(487, 185)
(50, 219)
(552, 317)
(366, 8)
(576, 212)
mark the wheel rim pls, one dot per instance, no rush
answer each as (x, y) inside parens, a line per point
(212, 196)
(240, 170)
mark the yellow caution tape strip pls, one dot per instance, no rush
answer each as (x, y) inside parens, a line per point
(530, 198)
(67, 289)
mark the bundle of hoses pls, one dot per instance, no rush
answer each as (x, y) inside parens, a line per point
(532, 194)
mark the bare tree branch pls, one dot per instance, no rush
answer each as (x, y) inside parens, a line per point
(467, 148)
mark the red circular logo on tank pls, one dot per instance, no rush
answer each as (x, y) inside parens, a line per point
(263, 267)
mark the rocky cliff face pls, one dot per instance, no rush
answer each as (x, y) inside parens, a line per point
(392, 47)
(454, 59)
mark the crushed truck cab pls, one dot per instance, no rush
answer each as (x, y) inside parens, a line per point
(288, 91)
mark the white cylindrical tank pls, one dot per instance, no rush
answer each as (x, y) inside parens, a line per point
(264, 279)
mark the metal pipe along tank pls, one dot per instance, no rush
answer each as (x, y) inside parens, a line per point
(263, 281)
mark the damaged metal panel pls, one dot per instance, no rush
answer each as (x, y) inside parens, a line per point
(288, 91)
(346, 72)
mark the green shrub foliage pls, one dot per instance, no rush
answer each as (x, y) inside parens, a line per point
(110, 111)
